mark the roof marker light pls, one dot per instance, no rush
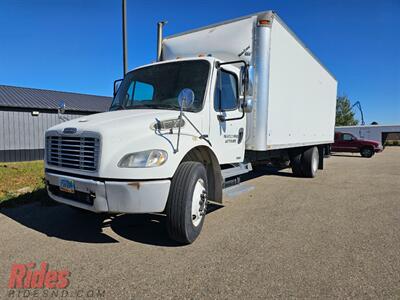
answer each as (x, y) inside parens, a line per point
(264, 22)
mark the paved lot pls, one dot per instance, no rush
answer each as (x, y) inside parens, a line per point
(337, 235)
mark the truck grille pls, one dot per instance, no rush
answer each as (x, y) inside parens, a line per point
(73, 152)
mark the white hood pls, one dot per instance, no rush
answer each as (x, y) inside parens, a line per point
(118, 121)
(127, 131)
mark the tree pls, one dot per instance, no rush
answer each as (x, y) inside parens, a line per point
(374, 123)
(344, 114)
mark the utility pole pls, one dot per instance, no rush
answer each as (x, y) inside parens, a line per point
(124, 38)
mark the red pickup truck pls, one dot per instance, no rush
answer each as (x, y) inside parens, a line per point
(346, 142)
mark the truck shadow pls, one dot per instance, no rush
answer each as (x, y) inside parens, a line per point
(347, 155)
(66, 223)
(265, 171)
(60, 221)
(150, 229)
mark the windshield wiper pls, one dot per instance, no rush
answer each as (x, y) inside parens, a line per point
(155, 105)
(117, 107)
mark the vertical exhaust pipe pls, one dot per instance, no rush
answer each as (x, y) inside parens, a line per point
(124, 38)
(160, 26)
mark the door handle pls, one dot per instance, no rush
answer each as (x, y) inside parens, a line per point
(240, 135)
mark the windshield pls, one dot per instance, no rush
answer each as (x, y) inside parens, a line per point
(158, 86)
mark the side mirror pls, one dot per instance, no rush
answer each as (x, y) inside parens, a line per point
(248, 105)
(61, 111)
(244, 79)
(61, 107)
(246, 86)
(250, 81)
(117, 84)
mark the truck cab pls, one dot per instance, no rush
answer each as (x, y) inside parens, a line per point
(123, 160)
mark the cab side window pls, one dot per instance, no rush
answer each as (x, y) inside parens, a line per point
(226, 92)
(347, 137)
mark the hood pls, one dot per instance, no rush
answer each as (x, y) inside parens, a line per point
(128, 131)
(138, 119)
(376, 143)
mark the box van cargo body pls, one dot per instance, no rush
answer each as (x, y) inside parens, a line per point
(219, 100)
(294, 94)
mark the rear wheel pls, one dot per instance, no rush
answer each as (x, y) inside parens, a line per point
(310, 161)
(295, 163)
(187, 202)
(367, 152)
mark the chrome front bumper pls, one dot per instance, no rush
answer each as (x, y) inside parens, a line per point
(111, 196)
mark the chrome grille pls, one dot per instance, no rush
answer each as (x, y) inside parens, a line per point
(73, 152)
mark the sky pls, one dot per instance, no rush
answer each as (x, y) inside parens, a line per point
(76, 46)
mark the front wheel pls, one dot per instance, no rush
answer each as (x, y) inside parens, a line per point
(367, 152)
(187, 202)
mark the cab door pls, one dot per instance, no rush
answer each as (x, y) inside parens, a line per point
(227, 122)
(348, 143)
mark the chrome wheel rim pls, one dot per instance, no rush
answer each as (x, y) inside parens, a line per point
(199, 202)
(314, 164)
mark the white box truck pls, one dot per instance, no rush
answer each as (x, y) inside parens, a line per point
(219, 99)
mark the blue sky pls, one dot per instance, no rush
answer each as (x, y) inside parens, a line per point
(72, 45)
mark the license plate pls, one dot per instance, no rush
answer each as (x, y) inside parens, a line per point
(67, 185)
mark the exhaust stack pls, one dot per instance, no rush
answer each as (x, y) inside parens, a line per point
(124, 38)
(160, 26)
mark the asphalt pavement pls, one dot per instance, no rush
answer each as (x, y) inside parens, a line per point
(334, 236)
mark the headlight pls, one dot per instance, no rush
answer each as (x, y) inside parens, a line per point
(144, 159)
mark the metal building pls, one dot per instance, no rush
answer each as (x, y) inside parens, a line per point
(379, 133)
(26, 113)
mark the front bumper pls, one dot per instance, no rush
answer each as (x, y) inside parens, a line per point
(111, 196)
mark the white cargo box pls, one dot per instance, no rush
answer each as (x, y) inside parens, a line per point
(294, 94)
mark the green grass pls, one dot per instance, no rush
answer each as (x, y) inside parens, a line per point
(392, 143)
(21, 182)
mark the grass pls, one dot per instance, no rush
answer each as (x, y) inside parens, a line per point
(392, 143)
(21, 182)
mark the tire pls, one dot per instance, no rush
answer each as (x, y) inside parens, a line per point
(327, 151)
(310, 162)
(367, 152)
(295, 163)
(187, 202)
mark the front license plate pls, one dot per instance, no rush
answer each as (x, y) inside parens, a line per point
(67, 185)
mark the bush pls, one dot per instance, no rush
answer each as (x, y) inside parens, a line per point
(392, 143)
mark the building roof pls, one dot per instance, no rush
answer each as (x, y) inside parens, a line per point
(21, 97)
(368, 126)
